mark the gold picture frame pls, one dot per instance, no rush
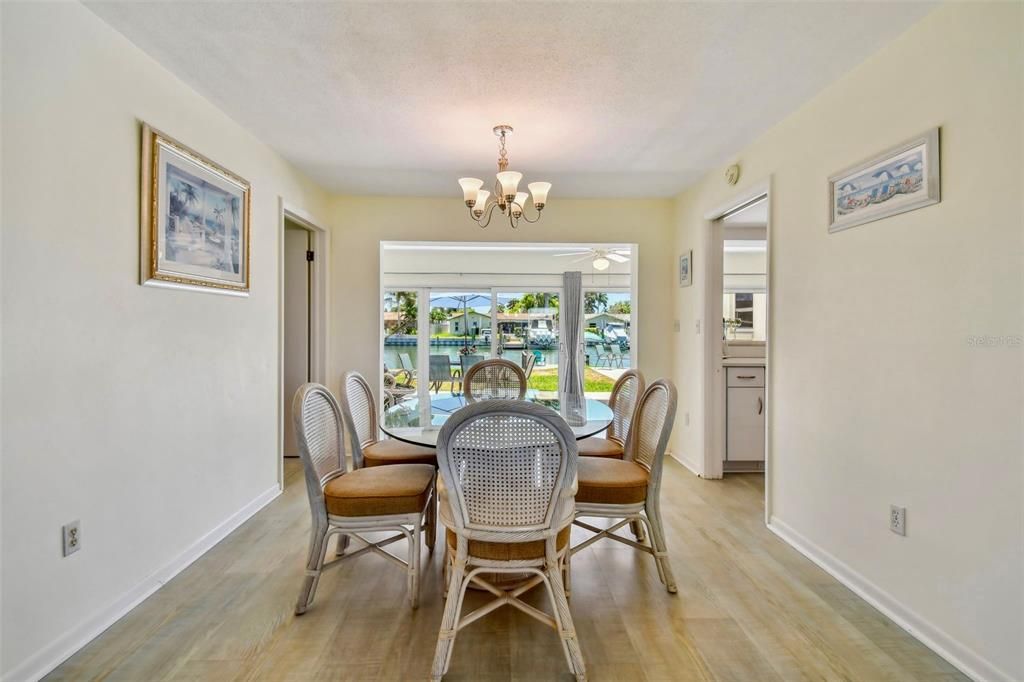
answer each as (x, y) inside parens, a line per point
(195, 222)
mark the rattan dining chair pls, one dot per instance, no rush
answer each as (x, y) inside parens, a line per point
(629, 489)
(623, 401)
(509, 471)
(494, 379)
(360, 415)
(346, 503)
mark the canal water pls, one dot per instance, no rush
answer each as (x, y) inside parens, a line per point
(550, 356)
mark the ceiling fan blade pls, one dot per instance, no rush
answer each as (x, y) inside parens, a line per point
(580, 260)
(573, 253)
(616, 257)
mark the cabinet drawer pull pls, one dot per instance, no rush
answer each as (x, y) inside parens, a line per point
(760, 405)
(746, 376)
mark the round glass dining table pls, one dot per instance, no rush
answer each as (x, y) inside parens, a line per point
(403, 421)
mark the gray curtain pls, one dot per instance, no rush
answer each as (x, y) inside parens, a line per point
(571, 312)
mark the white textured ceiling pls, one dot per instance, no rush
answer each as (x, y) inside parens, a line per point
(607, 99)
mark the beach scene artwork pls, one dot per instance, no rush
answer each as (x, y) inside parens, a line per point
(198, 226)
(897, 181)
(201, 227)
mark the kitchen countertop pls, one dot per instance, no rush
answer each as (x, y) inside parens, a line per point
(742, 362)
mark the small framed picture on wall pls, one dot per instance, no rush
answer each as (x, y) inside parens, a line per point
(686, 269)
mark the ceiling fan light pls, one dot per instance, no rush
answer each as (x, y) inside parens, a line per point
(601, 263)
(509, 181)
(539, 190)
(470, 187)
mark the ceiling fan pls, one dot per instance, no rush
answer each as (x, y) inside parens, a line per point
(600, 258)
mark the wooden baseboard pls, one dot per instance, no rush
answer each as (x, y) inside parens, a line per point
(64, 646)
(959, 656)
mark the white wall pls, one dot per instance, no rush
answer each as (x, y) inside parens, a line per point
(149, 414)
(876, 402)
(361, 223)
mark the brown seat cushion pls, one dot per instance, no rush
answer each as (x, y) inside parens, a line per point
(397, 452)
(610, 481)
(599, 447)
(509, 551)
(395, 489)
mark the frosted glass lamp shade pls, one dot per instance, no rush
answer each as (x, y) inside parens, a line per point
(509, 181)
(540, 190)
(481, 202)
(519, 203)
(601, 263)
(470, 187)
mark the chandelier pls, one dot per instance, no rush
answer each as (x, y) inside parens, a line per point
(507, 198)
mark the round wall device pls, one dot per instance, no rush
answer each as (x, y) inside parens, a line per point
(732, 174)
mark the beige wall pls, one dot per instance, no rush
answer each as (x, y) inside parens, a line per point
(150, 415)
(875, 401)
(361, 223)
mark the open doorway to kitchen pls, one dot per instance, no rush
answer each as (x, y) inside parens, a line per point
(447, 305)
(737, 310)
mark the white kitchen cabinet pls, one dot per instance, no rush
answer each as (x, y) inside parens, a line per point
(744, 414)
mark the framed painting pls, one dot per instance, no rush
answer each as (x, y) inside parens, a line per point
(903, 178)
(686, 269)
(195, 219)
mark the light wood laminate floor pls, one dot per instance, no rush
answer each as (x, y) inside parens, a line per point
(749, 609)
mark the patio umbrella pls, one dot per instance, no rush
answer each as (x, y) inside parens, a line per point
(467, 301)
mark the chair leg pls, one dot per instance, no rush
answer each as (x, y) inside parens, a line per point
(449, 622)
(563, 619)
(658, 542)
(342, 544)
(567, 572)
(414, 566)
(637, 528)
(430, 525)
(314, 566)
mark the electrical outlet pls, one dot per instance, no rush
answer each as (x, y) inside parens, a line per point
(698, 326)
(898, 519)
(686, 418)
(72, 537)
(675, 325)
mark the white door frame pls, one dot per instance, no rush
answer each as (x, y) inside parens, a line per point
(714, 390)
(318, 299)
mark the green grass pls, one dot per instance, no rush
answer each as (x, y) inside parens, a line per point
(547, 380)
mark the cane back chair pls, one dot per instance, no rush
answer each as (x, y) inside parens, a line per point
(346, 503)
(494, 379)
(508, 469)
(360, 415)
(625, 396)
(629, 489)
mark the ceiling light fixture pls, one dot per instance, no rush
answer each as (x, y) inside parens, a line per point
(601, 263)
(507, 197)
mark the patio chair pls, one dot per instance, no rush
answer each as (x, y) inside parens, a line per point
(539, 358)
(629, 489)
(529, 360)
(494, 379)
(615, 355)
(467, 361)
(346, 503)
(603, 352)
(623, 401)
(397, 387)
(508, 469)
(405, 360)
(362, 424)
(441, 372)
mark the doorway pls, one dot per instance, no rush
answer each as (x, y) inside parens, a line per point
(737, 307)
(297, 300)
